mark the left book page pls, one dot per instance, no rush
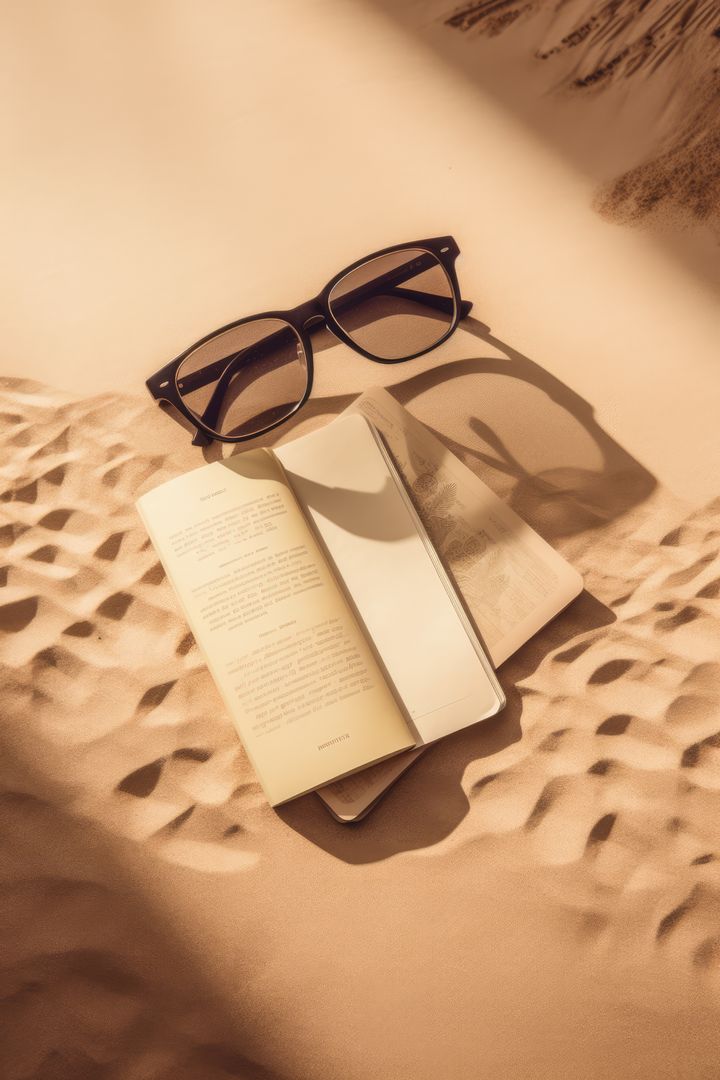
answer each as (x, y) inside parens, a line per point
(298, 678)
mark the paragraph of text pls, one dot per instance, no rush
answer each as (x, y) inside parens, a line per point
(256, 583)
(299, 675)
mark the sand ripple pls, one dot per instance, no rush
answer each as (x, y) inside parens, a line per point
(612, 792)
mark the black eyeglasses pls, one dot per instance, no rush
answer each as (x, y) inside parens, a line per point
(251, 375)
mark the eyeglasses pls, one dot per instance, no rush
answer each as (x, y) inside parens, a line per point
(252, 375)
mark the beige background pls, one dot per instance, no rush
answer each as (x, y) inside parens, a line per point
(171, 166)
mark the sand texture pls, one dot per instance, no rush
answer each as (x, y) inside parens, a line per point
(536, 898)
(625, 49)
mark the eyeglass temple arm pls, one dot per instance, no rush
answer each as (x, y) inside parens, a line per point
(211, 412)
(440, 303)
(377, 287)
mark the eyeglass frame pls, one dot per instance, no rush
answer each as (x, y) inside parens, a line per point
(312, 315)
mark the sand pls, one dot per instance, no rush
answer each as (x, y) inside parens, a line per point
(655, 62)
(538, 897)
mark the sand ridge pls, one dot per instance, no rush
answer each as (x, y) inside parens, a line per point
(608, 792)
(95, 650)
(616, 778)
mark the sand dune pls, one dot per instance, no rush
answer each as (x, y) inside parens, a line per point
(600, 782)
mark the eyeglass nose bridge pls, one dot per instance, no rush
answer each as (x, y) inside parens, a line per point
(316, 323)
(307, 315)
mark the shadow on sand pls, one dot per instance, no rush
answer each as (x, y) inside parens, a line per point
(560, 502)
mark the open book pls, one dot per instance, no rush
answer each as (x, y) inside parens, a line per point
(324, 614)
(511, 581)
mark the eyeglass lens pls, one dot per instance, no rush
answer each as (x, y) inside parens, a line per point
(395, 305)
(245, 379)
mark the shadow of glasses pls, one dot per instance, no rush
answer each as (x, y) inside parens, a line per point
(528, 435)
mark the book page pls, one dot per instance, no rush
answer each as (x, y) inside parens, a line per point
(392, 575)
(511, 580)
(299, 679)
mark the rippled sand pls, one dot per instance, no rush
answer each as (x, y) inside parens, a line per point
(539, 897)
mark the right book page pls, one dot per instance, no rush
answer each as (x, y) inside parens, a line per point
(512, 581)
(391, 574)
